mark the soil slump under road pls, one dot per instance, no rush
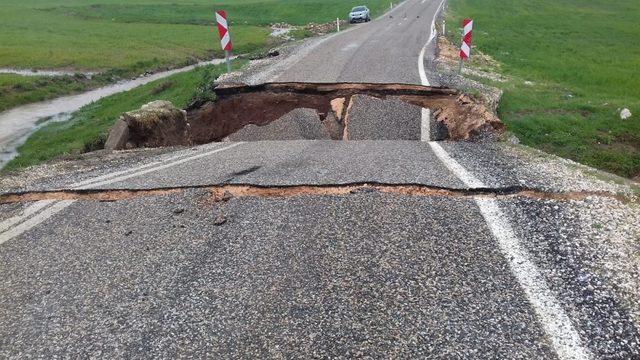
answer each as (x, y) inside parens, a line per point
(337, 111)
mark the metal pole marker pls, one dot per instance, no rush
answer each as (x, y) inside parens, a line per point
(225, 37)
(465, 48)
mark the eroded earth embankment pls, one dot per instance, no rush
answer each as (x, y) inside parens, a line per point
(286, 111)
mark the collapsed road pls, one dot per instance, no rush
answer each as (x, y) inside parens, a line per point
(338, 112)
(300, 247)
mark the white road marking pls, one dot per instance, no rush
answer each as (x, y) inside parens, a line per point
(432, 36)
(467, 178)
(35, 220)
(129, 170)
(17, 225)
(556, 323)
(426, 113)
(26, 213)
(160, 167)
(425, 125)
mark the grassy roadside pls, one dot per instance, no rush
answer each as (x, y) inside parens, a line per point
(122, 39)
(569, 70)
(88, 128)
(101, 35)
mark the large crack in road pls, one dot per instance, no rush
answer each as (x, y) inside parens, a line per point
(226, 192)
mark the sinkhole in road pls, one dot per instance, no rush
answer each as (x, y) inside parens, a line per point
(322, 111)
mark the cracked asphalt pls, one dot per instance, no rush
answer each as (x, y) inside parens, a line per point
(363, 274)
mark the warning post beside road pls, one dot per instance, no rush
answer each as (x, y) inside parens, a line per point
(465, 47)
(225, 37)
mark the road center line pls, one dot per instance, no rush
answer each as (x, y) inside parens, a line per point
(18, 224)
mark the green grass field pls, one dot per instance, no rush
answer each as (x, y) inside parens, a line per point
(106, 34)
(579, 59)
(127, 38)
(122, 38)
(88, 128)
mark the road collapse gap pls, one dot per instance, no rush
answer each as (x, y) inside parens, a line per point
(456, 116)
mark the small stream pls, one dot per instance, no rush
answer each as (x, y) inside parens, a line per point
(18, 123)
(34, 72)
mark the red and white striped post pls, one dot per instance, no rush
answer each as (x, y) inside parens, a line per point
(467, 34)
(225, 37)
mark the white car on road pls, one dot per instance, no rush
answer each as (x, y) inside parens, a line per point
(359, 14)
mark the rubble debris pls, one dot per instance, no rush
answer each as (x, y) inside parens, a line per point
(468, 118)
(220, 220)
(156, 124)
(325, 28)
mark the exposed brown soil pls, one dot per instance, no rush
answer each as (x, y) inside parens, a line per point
(226, 192)
(450, 53)
(240, 105)
(459, 116)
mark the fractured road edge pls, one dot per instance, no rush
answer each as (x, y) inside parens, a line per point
(42, 210)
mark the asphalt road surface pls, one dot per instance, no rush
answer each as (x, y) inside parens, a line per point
(396, 248)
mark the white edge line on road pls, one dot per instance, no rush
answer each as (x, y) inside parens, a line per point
(425, 127)
(556, 323)
(7, 232)
(129, 170)
(27, 212)
(34, 221)
(160, 167)
(432, 35)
